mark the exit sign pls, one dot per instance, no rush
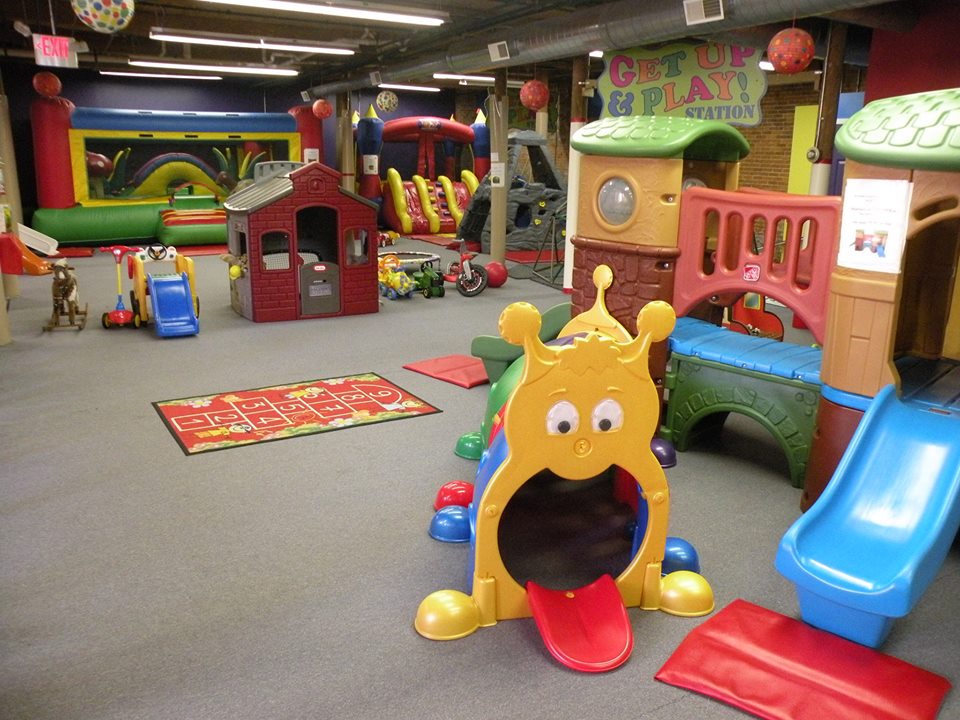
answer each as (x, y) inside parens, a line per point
(54, 50)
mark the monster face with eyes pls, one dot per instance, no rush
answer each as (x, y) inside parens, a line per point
(578, 411)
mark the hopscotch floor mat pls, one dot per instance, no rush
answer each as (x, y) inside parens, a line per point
(226, 420)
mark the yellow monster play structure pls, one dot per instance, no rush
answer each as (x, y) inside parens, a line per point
(578, 411)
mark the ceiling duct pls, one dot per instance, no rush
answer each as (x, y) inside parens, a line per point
(622, 24)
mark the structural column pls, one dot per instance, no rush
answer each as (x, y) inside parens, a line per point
(578, 118)
(498, 159)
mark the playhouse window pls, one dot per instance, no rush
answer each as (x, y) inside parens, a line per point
(357, 246)
(240, 245)
(616, 201)
(276, 250)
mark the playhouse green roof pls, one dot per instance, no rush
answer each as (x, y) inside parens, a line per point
(918, 132)
(656, 136)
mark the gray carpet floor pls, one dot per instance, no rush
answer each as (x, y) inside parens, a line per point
(280, 581)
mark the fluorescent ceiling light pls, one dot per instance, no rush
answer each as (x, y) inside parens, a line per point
(417, 88)
(234, 69)
(479, 79)
(766, 65)
(350, 12)
(466, 78)
(241, 41)
(172, 76)
(596, 53)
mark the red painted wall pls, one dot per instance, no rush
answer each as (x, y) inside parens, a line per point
(923, 59)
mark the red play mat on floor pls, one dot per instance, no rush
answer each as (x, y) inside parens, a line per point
(226, 420)
(462, 370)
(779, 668)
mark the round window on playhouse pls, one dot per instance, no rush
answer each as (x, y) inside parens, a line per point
(616, 201)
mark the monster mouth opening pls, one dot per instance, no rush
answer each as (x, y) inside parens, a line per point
(563, 533)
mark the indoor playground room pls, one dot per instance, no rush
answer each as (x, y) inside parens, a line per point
(624, 386)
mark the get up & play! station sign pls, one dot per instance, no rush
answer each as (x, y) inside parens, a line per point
(709, 81)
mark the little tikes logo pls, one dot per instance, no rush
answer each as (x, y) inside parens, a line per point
(751, 272)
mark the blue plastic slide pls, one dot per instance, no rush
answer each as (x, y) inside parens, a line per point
(871, 545)
(172, 300)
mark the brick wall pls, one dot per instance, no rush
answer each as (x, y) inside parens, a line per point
(768, 165)
(274, 293)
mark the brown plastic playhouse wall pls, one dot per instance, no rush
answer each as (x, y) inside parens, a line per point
(931, 288)
(831, 435)
(862, 316)
(875, 317)
(656, 184)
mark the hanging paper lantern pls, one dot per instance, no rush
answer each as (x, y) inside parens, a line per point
(105, 16)
(534, 95)
(387, 101)
(47, 84)
(791, 50)
(322, 109)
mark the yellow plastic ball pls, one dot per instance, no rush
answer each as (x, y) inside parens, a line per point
(447, 615)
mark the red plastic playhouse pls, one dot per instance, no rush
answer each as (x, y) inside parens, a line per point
(301, 247)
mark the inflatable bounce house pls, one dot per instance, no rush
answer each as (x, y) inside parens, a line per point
(301, 247)
(137, 175)
(582, 412)
(429, 202)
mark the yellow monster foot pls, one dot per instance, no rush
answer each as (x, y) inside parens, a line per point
(447, 615)
(686, 594)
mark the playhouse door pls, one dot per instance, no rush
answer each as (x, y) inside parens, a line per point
(317, 245)
(319, 288)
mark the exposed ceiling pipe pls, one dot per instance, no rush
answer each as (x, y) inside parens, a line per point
(615, 25)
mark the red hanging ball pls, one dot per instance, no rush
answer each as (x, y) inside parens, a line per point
(322, 109)
(47, 84)
(791, 50)
(534, 95)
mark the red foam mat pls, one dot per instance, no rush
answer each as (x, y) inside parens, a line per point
(72, 252)
(195, 250)
(778, 668)
(461, 370)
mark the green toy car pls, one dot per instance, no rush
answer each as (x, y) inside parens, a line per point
(429, 281)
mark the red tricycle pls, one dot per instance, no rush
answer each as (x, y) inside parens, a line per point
(470, 277)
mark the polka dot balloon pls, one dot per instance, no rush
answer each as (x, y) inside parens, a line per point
(387, 101)
(105, 16)
(791, 50)
(534, 95)
(322, 109)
